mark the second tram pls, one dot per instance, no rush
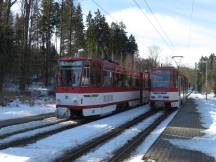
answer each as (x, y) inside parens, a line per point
(169, 87)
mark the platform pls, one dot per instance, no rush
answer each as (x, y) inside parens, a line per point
(185, 125)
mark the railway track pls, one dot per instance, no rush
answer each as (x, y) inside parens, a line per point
(20, 128)
(9, 122)
(77, 152)
(31, 135)
(122, 153)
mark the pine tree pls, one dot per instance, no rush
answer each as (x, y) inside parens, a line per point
(24, 58)
(6, 38)
(132, 45)
(91, 39)
(67, 27)
(47, 24)
(119, 41)
(79, 27)
(102, 34)
(132, 48)
(98, 36)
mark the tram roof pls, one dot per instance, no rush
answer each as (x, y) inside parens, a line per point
(119, 68)
(72, 58)
(164, 68)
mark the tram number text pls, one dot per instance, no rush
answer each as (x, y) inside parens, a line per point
(108, 98)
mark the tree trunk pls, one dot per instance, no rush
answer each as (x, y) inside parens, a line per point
(24, 61)
(46, 81)
(121, 61)
(1, 77)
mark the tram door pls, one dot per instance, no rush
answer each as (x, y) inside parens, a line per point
(178, 83)
(95, 74)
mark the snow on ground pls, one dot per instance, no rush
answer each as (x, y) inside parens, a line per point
(35, 88)
(206, 143)
(105, 151)
(146, 144)
(16, 109)
(24, 126)
(38, 102)
(54, 146)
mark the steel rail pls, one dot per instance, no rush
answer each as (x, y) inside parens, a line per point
(21, 120)
(41, 135)
(5, 135)
(123, 152)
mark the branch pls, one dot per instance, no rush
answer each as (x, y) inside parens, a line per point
(12, 3)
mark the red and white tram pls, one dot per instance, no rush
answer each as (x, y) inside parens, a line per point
(169, 87)
(89, 87)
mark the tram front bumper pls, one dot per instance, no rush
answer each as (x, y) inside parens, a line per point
(63, 113)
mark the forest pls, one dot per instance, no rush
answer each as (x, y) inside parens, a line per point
(33, 37)
(209, 64)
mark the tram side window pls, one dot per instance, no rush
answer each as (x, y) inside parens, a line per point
(86, 76)
(130, 82)
(95, 76)
(137, 83)
(125, 81)
(119, 80)
(133, 82)
(146, 81)
(174, 80)
(108, 78)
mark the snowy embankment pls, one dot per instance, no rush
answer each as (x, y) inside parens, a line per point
(54, 146)
(206, 143)
(16, 109)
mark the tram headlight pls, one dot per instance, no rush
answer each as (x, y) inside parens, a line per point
(58, 101)
(75, 101)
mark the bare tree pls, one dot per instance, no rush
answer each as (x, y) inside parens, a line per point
(167, 61)
(154, 52)
(26, 6)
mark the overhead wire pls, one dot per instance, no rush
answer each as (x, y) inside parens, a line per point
(159, 24)
(190, 23)
(97, 4)
(155, 28)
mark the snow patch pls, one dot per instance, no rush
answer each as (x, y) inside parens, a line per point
(16, 109)
(206, 143)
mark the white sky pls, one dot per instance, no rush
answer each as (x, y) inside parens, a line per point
(192, 46)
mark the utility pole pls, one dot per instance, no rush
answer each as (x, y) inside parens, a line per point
(206, 81)
(206, 78)
(177, 60)
(196, 71)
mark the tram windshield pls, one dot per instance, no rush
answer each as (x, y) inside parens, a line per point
(161, 79)
(70, 73)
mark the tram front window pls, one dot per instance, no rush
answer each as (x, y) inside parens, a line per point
(69, 74)
(161, 79)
